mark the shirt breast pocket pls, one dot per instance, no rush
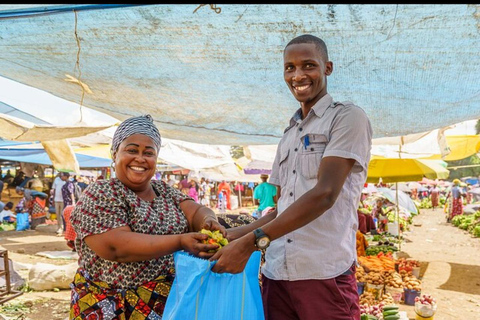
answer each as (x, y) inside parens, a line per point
(313, 148)
(283, 167)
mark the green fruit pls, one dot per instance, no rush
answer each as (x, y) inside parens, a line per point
(390, 312)
(392, 317)
(390, 307)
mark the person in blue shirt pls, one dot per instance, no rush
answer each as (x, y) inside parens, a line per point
(264, 195)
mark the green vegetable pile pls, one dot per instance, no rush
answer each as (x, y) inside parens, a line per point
(469, 222)
(374, 250)
(214, 237)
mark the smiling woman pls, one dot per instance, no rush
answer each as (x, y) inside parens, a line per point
(127, 229)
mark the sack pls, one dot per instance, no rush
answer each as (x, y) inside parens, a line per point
(198, 293)
(77, 191)
(22, 221)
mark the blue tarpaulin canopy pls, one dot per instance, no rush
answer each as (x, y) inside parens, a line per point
(40, 156)
(214, 73)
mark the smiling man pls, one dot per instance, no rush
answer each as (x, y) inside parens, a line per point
(319, 170)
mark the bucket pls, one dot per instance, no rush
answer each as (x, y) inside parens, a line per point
(425, 311)
(360, 287)
(419, 317)
(396, 293)
(377, 290)
(410, 295)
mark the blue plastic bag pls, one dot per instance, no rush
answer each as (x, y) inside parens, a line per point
(22, 221)
(198, 293)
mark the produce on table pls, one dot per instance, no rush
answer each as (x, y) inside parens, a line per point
(368, 317)
(214, 237)
(360, 274)
(375, 277)
(412, 283)
(390, 312)
(393, 279)
(407, 265)
(379, 310)
(374, 250)
(377, 263)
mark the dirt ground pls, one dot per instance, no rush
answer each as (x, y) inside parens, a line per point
(450, 269)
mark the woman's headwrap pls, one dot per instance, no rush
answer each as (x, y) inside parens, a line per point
(456, 182)
(136, 125)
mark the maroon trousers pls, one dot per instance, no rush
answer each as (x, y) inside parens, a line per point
(332, 299)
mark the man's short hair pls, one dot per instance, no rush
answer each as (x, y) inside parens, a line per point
(308, 38)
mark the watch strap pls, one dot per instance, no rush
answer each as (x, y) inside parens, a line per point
(258, 233)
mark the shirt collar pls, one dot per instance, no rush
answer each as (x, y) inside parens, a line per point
(318, 109)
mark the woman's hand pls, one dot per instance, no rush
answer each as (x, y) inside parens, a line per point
(192, 243)
(212, 224)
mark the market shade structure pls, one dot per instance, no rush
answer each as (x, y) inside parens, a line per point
(16, 129)
(461, 147)
(403, 201)
(40, 156)
(404, 170)
(203, 71)
(54, 139)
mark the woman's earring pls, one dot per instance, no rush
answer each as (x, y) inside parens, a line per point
(113, 165)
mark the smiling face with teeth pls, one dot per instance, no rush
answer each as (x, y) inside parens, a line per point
(135, 162)
(305, 71)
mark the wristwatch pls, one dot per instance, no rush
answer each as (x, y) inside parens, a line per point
(262, 241)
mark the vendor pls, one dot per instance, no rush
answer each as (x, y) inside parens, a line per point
(7, 214)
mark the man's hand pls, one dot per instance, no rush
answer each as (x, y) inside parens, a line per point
(234, 256)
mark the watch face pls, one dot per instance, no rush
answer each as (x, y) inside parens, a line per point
(263, 243)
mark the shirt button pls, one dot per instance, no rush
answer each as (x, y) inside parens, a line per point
(300, 129)
(296, 149)
(289, 240)
(311, 149)
(293, 171)
(291, 193)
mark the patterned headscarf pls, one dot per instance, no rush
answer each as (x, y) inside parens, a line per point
(136, 125)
